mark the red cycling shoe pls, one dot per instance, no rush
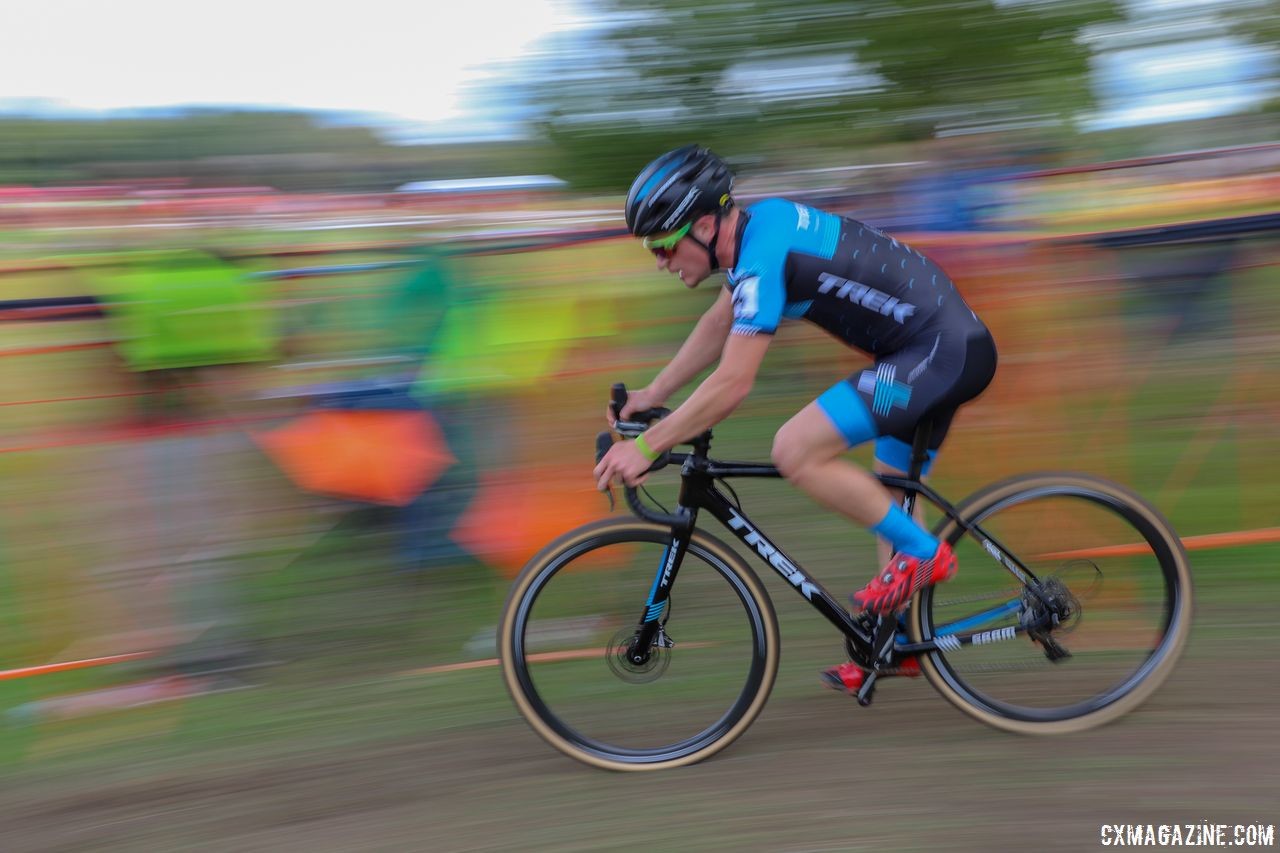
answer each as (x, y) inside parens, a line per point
(849, 676)
(893, 588)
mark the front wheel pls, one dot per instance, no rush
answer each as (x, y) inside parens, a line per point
(1117, 573)
(567, 624)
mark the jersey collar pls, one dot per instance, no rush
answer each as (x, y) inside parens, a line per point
(743, 218)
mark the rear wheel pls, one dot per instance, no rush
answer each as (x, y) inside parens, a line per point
(566, 627)
(1100, 549)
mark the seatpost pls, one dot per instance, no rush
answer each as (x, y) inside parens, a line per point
(919, 456)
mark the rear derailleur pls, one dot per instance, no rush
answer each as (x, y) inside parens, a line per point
(1047, 610)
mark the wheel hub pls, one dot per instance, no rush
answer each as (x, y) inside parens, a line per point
(633, 665)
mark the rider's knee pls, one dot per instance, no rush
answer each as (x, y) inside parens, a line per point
(782, 456)
(789, 457)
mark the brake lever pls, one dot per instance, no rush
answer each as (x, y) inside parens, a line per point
(604, 441)
(640, 421)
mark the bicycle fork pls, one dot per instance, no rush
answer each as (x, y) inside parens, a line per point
(651, 628)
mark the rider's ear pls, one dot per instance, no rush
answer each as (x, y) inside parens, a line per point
(704, 226)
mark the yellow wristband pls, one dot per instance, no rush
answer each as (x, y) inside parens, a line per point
(646, 451)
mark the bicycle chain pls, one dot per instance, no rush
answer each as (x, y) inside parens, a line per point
(968, 599)
(1039, 664)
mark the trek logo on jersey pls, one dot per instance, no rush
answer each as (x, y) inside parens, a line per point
(866, 297)
(766, 549)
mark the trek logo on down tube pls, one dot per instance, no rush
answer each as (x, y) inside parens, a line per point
(767, 550)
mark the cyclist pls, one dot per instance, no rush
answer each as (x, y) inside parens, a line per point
(874, 293)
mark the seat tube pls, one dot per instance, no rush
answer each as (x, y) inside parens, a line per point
(919, 456)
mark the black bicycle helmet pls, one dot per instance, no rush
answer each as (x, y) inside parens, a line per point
(676, 188)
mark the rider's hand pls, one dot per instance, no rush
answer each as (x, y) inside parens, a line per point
(637, 401)
(623, 461)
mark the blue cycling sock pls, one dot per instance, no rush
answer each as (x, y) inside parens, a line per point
(905, 535)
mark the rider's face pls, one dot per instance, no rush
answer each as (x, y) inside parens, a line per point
(687, 260)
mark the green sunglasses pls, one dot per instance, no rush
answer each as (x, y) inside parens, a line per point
(664, 245)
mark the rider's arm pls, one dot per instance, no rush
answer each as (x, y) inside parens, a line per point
(699, 351)
(717, 396)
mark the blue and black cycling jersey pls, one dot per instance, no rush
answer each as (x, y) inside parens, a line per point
(877, 294)
(861, 285)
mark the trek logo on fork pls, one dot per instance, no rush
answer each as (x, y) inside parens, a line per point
(770, 552)
(670, 565)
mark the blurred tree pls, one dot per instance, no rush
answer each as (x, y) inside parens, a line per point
(762, 75)
(1258, 22)
(287, 150)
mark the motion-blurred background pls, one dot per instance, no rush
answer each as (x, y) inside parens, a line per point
(309, 315)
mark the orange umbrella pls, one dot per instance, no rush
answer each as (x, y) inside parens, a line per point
(380, 456)
(514, 516)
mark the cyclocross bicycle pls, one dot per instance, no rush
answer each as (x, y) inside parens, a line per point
(648, 644)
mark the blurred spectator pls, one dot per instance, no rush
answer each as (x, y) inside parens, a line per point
(190, 327)
(964, 189)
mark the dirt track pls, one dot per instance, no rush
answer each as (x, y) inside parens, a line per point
(814, 773)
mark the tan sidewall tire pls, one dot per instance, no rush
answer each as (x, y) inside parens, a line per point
(713, 547)
(1176, 640)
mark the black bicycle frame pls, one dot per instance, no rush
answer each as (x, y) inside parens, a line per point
(698, 492)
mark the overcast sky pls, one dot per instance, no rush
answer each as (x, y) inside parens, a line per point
(434, 63)
(416, 60)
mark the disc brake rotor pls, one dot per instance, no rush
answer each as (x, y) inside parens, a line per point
(618, 656)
